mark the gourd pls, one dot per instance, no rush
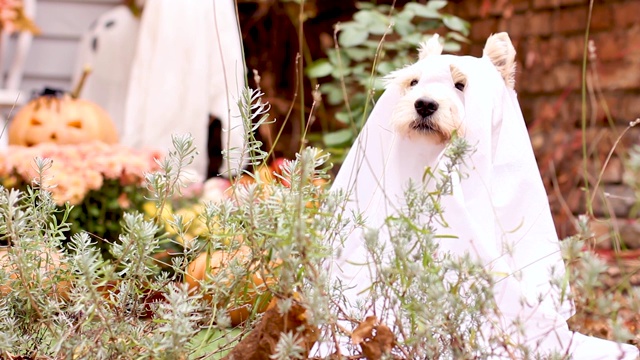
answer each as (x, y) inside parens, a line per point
(198, 271)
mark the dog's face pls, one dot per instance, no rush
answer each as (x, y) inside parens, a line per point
(432, 90)
(432, 102)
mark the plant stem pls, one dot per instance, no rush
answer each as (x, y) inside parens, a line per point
(585, 160)
(78, 89)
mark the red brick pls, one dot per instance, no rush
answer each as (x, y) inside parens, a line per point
(564, 113)
(567, 113)
(516, 26)
(481, 29)
(530, 83)
(545, 4)
(572, 2)
(619, 75)
(476, 49)
(551, 52)
(628, 231)
(540, 23)
(611, 102)
(574, 201)
(520, 5)
(629, 139)
(612, 174)
(528, 53)
(552, 80)
(610, 45)
(619, 201)
(468, 10)
(570, 20)
(601, 231)
(626, 13)
(601, 18)
(574, 48)
(633, 42)
(546, 111)
(629, 109)
(601, 140)
(505, 8)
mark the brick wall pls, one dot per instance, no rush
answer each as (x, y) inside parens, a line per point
(549, 36)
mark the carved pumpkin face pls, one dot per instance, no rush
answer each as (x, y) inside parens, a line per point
(61, 120)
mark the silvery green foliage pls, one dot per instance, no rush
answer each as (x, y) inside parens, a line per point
(289, 347)
(254, 113)
(591, 298)
(137, 245)
(177, 320)
(171, 178)
(8, 337)
(287, 229)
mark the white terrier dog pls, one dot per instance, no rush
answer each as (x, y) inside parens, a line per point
(432, 104)
(497, 213)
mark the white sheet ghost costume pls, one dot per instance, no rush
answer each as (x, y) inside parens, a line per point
(108, 49)
(182, 62)
(500, 204)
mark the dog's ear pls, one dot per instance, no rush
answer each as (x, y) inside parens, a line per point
(503, 56)
(430, 47)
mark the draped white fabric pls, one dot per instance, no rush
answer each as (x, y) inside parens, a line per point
(165, 73)
(108, 49)
(499, 212)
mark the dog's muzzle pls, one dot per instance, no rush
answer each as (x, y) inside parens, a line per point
(425, 107)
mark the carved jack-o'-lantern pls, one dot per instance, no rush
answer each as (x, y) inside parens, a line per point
(61, 120)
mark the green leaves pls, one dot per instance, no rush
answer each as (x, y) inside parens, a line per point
(456, 24)
(376, 22)
(319, 68)
(425, 11)
(338, 138)
(353, 35)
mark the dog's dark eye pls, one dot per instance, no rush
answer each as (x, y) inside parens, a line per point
(413, 82)
(459, 86)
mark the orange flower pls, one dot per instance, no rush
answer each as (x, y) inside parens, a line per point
(79, 168)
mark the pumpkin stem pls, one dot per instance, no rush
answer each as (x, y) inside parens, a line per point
(136, 9)
(85, 73)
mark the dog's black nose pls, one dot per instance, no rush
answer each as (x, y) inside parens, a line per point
(425, 107)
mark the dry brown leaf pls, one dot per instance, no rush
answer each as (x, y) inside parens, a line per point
(375, 339)
(384, 337)
(261, 342)
(373, 348)
(364, 330)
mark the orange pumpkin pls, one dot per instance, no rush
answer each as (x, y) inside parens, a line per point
(198, 271)
(61, 120)
(51, 259)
